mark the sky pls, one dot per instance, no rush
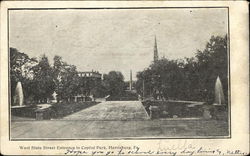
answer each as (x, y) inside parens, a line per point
(114, 39)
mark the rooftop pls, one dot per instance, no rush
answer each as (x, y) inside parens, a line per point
(90, 74)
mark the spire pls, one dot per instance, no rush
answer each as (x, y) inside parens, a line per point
(155, 51)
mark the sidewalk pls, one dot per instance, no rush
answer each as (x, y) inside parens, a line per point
(82, 129)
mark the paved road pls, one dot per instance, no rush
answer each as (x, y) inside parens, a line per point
(112, 110)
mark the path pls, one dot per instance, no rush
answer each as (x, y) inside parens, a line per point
(112, 110)
(82, 129)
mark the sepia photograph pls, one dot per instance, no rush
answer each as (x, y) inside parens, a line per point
(119, 73)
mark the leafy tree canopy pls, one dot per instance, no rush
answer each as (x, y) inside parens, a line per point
(114, 82)
(188, 78)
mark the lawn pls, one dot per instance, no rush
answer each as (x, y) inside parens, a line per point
(126, 96)
(184, 109)
(60, 110)
(56, 111)
(168, 109)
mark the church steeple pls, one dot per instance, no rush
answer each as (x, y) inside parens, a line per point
(155, 51)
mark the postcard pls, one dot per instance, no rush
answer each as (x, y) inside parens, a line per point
(124, 78)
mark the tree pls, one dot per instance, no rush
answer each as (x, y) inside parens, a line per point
(189, 78)
(114, 83)
(69, 81)
(99, 90)
(163, 78)
(168, 77)
(212, 62)
(58, 68)
(65, 78)
(142, 80)
(44, 85)
(21, 70)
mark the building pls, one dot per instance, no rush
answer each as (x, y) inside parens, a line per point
(89, 80)
(91, 75)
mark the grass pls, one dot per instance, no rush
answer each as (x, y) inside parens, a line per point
(28, 112)
(56, 111)
(168, 109)
(60, 110)
(126, 96)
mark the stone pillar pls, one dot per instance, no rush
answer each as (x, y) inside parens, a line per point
(39, 114)
(154, 112)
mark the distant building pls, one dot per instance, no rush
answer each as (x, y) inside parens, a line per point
(90, 74)
(89, 80)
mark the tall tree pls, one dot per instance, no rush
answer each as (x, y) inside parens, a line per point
(212, 62)
(69, 81)
(114, 82)
(21, 70)
(44, 84)
(189, 78)
(66, 79)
